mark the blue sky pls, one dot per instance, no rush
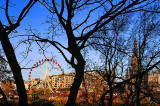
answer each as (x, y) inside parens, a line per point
(36, 18)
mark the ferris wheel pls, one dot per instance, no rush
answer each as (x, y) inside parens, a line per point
(46, 74)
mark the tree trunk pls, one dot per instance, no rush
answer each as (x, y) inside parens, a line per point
(9, 52)
(102, 99)
(4, 98)
(110, 98)
(76, 84)
(138, 88)
(138, 99)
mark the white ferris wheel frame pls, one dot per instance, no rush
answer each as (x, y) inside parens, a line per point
(45, 72)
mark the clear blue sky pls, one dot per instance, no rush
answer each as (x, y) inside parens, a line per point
(36, 18)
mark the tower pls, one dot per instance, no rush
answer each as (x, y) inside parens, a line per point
(134, 60)
(133, 69)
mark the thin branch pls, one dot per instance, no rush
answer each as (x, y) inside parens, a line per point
(59, 16)
(53, 43)
(25, 10)
(89, 13)
(3, 59)
(6, 12)
(47, 6)
(99, 25)
(62, 8)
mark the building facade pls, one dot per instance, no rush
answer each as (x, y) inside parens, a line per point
(154, 80)
(92, 82)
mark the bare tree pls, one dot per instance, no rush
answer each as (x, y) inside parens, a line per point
(6, 28)
(147, 49)
(111, 45)
(143, 53)
(67, 13)
(4, 75)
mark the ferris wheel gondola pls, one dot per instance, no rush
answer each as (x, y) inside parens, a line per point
(41, 75)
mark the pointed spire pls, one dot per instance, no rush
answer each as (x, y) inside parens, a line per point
(127, 73)
(134, 61)
(135, 51)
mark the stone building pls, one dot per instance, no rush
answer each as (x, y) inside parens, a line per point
(93, 81)
(62, 80)
(154, 80)
(134, 70)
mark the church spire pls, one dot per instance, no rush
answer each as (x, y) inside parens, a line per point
(134, 60)
(135, 51)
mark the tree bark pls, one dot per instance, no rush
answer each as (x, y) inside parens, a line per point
(9, 52)
(4, 98)
(102, 103)
(138, 89)
(76, 84)
(110, 98)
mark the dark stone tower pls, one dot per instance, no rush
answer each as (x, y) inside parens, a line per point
(134, 69)
(134, 61)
